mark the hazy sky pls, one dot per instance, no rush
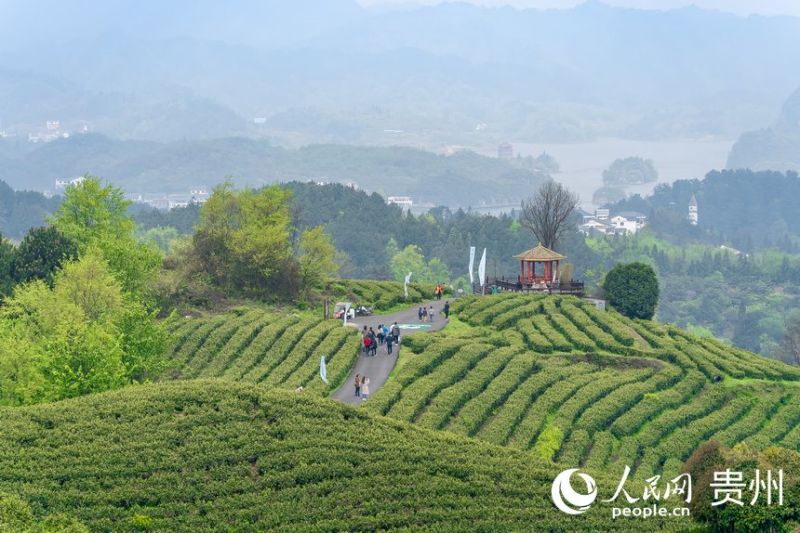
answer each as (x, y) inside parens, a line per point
(741, 7)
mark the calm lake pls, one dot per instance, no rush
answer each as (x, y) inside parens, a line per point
(582, 164)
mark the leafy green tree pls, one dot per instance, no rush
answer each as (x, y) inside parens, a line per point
(143, 342)
(409, 259)
(82, 358)
(89, 285)
(21, 379)
(95, 216)
(317, 257)
(41, 253)
(163, 237)
(438, 271)
(84, 335)
(632, 289)
(90, 209)
(7, 256)
(243, 239)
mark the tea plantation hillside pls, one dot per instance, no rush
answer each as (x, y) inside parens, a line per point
(554, 376)
(380, 295)
(215, 455)
(266, 347)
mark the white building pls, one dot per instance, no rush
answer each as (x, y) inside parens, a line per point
(625, 223)
(403, 201)
(199, 196)
(693, 215)
(61, 185)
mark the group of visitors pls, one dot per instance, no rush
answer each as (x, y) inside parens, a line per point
(438, 291)
(385, 336)
(362, 386)
(425, 314)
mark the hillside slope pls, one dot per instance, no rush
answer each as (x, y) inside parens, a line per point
(213, 455)
(554, 376)
(548, 375)
(269, 348)
(774, 148)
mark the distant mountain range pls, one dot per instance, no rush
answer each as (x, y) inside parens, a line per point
(305, 71)
(774, 148)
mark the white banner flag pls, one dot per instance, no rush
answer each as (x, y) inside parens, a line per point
(482, 268)
(471, 264)
(405, 284)
(323, 370)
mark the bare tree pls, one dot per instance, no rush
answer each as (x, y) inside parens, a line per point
(547, 213)
(791, 340)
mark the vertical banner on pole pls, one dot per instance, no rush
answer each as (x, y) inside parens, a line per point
(323, 370)
(471, 264)
(405, 285)
(482, 268)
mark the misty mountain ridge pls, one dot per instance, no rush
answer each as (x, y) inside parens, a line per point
(776, 147)
(436, 73)
(462, 179)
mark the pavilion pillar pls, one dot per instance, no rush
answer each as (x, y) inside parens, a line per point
(558, 271)
(522, 271)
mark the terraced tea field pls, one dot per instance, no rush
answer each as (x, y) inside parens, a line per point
(221, 456)
(380, 295)
(548, 375)
(258, 346)
(558, 378)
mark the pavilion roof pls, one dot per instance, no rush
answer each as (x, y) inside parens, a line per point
(540, 253)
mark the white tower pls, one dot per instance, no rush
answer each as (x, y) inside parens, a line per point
(693, 211)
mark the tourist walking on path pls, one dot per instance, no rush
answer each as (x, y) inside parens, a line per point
(419, 314)
(379, 368)
(389, 342)
(373, 345)
(367, 344)
(364, 388)
(446, 310)
(357, 383)
(430, 315)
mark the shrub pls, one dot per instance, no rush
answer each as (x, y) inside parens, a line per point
(632, 289)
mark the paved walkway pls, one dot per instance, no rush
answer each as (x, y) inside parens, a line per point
(378, 368)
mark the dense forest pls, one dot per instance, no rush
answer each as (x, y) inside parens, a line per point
(23, 210)
(744, 209)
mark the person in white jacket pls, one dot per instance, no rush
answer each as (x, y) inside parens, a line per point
(364, 388)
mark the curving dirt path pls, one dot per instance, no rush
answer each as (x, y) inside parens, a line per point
(378, 368)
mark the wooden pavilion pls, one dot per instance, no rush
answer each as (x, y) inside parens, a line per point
(539, 265)
(539, 271)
